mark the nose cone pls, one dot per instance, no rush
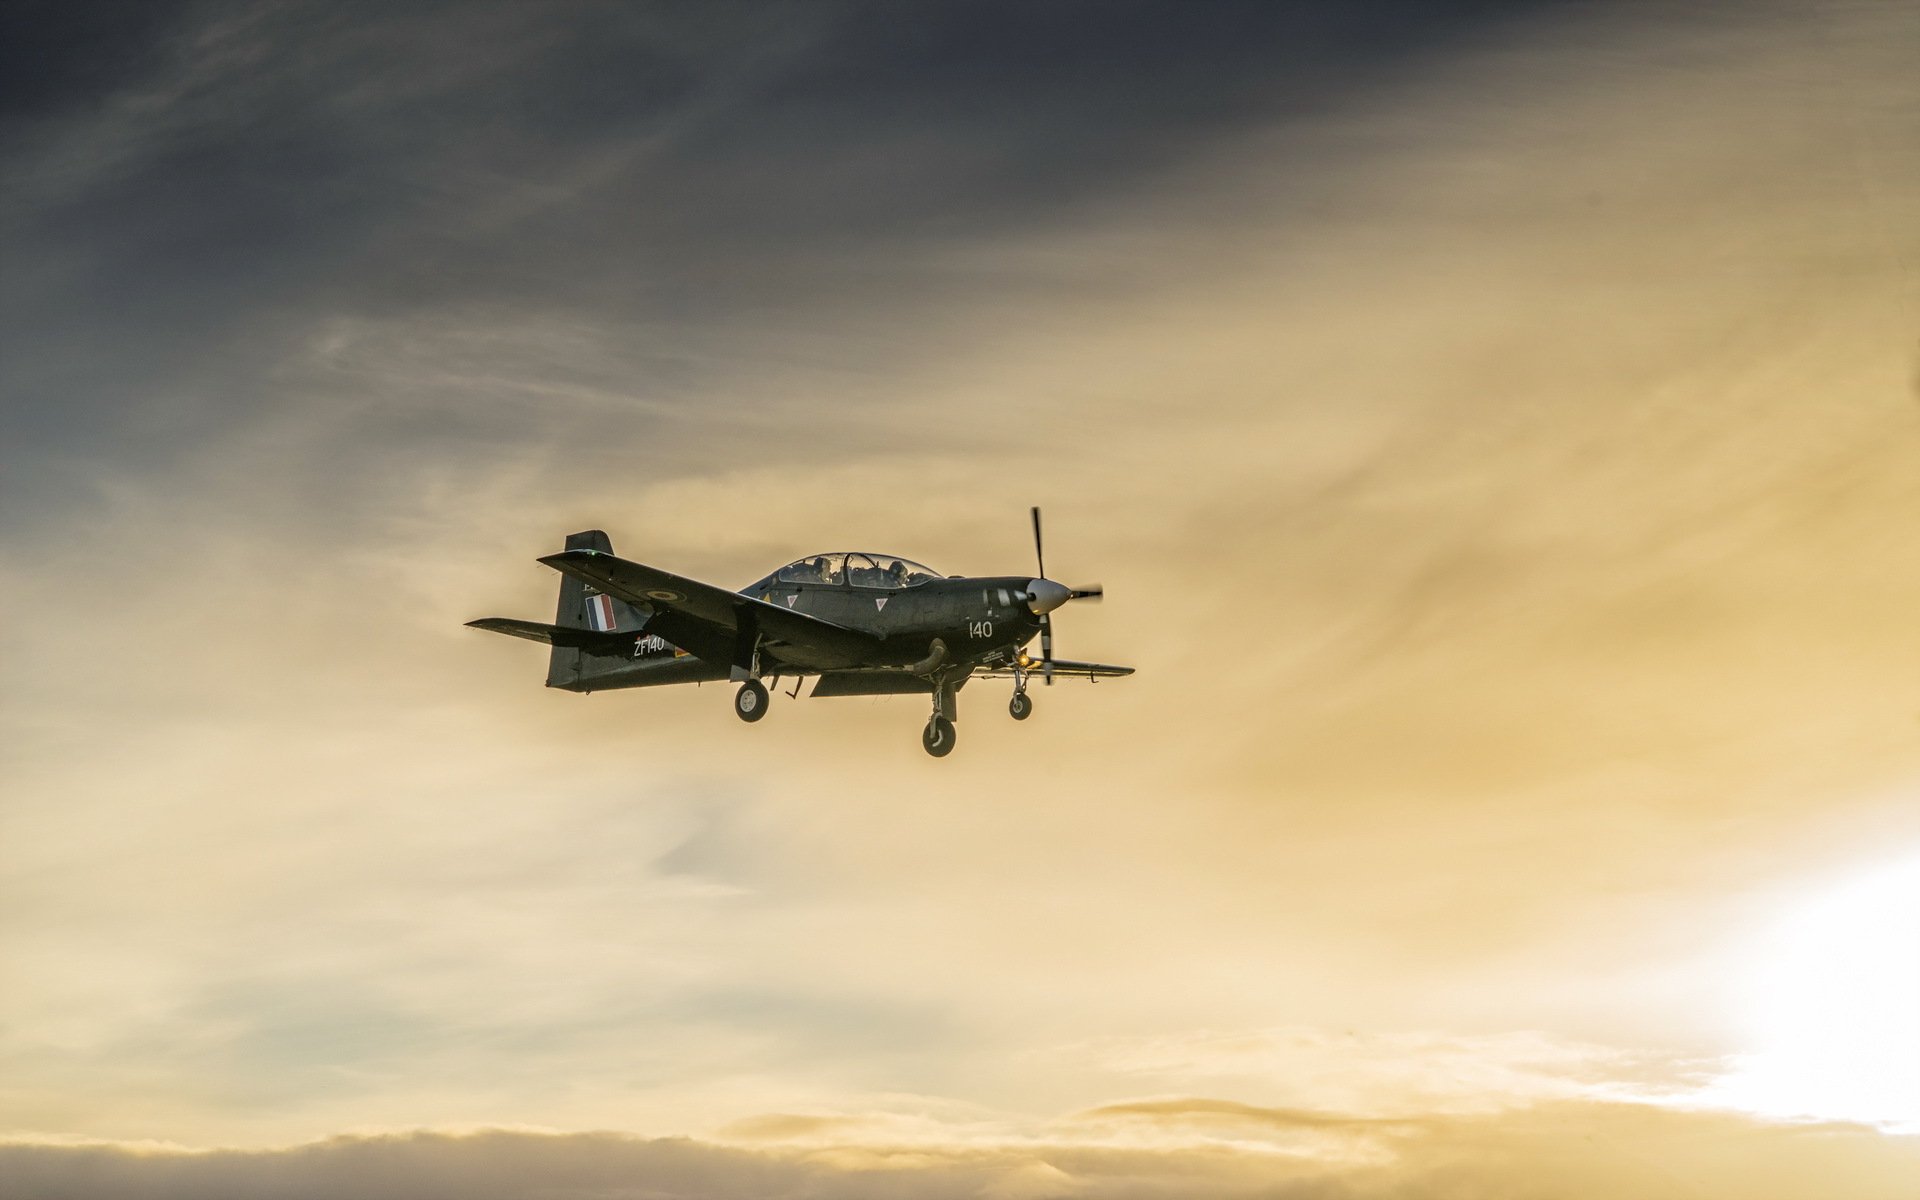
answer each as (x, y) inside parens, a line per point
(1044, 595)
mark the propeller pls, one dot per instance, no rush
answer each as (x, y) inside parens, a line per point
(1044, 595)
(1039, 558)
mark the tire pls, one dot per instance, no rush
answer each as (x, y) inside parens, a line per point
(750, 702)
(1021, 706)
(937, 737)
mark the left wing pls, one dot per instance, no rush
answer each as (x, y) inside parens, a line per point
(714, 623)
(1062, 668)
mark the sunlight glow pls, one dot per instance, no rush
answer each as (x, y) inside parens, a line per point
(1832, 1012)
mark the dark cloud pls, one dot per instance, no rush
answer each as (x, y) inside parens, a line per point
(190, 189)
(55, 57)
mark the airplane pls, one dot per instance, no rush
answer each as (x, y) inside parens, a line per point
(863, 624)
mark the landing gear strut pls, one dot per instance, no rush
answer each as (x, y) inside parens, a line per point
(937, 738)
(750, 702)
(1020, 706)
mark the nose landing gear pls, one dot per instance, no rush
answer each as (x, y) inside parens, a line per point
(1021, 706)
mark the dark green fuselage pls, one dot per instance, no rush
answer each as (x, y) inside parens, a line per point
(978, 621)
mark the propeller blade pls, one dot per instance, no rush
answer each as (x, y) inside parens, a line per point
(1092, 591)
(1038, 556)
(1046, 649)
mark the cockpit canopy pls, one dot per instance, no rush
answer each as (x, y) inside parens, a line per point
(860, 570)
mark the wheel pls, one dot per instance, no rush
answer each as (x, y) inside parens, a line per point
(1021, 706)
(750, 702)
(938, 737)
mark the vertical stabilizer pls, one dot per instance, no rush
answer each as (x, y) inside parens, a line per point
(581, 607)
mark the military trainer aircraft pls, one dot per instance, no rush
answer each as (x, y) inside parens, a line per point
(865, 624)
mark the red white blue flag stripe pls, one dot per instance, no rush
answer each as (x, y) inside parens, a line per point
(600, 613)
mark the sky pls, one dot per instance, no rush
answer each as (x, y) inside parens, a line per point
(1496, 425)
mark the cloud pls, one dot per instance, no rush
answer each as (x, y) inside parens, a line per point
(1311, 1133)
(1233, 1113)
(184, 222)
(1571, 1152)
(1375, 1077)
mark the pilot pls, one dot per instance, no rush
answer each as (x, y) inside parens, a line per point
(819, 565)
(897, 574)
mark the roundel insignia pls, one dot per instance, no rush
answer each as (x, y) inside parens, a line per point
(666, 594)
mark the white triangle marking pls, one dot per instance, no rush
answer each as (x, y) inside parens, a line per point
(880, 602)
(790, 600)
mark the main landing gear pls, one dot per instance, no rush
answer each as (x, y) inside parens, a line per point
(750, 702)
(937, 738)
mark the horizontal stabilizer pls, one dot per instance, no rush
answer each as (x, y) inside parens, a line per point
(555, 635)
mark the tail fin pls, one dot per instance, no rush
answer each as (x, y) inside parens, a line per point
(583, 608)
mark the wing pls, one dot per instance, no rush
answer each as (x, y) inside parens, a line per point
(1062, 668)
(712, 622)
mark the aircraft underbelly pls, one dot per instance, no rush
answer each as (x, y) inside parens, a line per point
(870, 683)
(874, 683)
(802, 659)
